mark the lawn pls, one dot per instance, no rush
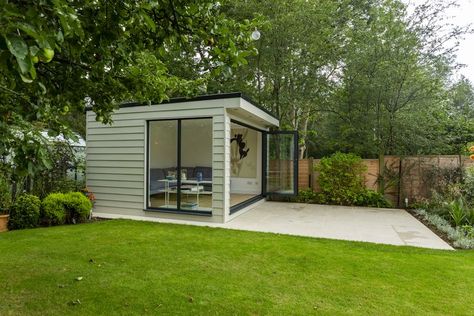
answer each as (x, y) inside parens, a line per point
(127, 267)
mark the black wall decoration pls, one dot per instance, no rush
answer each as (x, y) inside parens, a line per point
(238, 138)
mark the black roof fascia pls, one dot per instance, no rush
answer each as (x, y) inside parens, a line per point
(198, 98)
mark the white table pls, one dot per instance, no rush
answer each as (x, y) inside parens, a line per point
(191, 182)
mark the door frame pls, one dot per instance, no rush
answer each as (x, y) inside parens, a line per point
(295, 162)
(241, 205)
(263, 185)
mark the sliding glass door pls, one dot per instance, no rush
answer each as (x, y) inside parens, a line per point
(180, 165)
(163, 164)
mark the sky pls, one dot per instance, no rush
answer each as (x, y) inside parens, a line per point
(462, 15)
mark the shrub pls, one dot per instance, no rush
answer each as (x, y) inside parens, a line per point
(421, 204)
(468, 186)
(5, 195)
(459, 236)
(60, 208)
(25, 212)
(341, 178)
(470, 216)
(371, 198)
(306, 196)
(457, 211)
(78, 206)
(53, 211)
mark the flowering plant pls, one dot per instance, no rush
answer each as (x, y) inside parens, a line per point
(88, 193)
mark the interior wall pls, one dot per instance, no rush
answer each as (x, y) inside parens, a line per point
(163, 144)
(249, 185)
(196, 143)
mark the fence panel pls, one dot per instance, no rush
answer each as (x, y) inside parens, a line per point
(411, 178)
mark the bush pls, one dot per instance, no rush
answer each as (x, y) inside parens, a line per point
(78, 207)
(468, 186)
(53, 211)
(25, 212)
(371, 198)
(460, 236)
(5, 195)
(306, 196)
(457, 211)
(60, 208)
(341, 178)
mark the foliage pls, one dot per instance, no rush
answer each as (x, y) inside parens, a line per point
(25, 212)
(310, 196)
(53, 210)
(296, 68)
(341, 178)
(367, 77)
(459, 236)
(78, 207)
(5, 195)
(468, 231)
(90, 195)
(445, 180)
(468, 185)
(71, 208)
(371, 198)
(57, 57)
(306, 196)
(457, 211)
(65, 160)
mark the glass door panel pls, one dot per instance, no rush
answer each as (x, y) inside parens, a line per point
(196, 165)
(281, 163)
(163, 164)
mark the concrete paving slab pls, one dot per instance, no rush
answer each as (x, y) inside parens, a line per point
(376, 225)
(385, 226)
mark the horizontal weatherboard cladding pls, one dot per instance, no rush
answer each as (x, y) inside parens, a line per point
(115, 150)
(116, 158)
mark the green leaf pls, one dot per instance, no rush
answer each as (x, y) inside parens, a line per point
(28, 29)
(25, 64)
(46, 162)
(60, 36)
(34, 50)
(151, 24)
(42, 87)
(17, 46)
(25, 79)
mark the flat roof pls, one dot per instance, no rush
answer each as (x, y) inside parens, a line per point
(202, 97)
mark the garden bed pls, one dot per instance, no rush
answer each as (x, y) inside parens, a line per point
(457, 236)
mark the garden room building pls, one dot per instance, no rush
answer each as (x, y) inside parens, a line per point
(203, 159)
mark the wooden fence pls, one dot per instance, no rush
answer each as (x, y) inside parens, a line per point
(411, 177)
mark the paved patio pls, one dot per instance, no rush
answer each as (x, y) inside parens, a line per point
(385, 226)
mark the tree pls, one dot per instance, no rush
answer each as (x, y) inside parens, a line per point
(298, 56)
(393, 80)
(57, 57)
(458, 117)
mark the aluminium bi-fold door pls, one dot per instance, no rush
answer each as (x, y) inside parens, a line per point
(280, 163)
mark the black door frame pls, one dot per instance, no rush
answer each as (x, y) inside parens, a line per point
(178, 209)
(295, 162)
(263, 184)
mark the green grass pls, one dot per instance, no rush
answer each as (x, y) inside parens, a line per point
(150, 268)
